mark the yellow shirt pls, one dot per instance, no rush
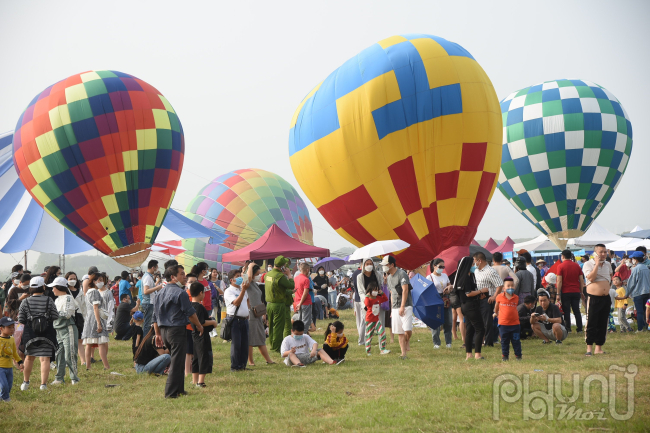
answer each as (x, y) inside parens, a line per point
(620, 292)
(7, 351)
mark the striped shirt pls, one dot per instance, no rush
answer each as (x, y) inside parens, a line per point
(488, 278)
(38, 306)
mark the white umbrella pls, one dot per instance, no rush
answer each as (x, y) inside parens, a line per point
(379, 248)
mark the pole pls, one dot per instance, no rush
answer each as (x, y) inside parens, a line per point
(25, 259)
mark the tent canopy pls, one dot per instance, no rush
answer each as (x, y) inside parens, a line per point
(596, 234)
(475, 243)
(491, 245)
(627, 243)
(274, 243)
(506, 246)
(540, 243)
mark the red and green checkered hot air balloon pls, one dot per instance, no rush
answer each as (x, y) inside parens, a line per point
(102, 152)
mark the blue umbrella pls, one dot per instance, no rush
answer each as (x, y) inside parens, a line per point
(329, 263)
(428, 306)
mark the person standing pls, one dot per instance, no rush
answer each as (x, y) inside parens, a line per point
(302, 301)
(369, 274)
(256, 332)
(215, 284)
(487, 278)
(172, 311)
(525, 285)
(279, 286)
(505, 309)
(148, 291)
(441, 281)
(321, 281)
(569, 284)
(237, 308)
(401, 303)
(359, 312)
(638, 288)
(332, 290)
(598, 275)
(67, 334)
(465, 285)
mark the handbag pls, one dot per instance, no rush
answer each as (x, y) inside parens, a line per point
(226, 327)
(259, 310)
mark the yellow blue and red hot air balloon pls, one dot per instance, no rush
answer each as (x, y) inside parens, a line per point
(102, 152)
(401, 141)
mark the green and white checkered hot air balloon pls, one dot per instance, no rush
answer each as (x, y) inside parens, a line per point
(566, 144)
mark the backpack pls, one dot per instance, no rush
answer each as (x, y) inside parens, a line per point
(39, 323)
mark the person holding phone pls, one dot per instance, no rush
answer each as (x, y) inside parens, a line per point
(547, 320)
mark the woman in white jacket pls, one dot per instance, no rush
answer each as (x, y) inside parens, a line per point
(369, 273)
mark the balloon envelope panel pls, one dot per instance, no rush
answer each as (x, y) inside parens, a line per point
(401, 141)
(102, 152)
(566, 145)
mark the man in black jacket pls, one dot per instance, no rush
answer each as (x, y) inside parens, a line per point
(525, 310)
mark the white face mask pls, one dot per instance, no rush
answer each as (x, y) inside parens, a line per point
(16, 282)
(340, 335)
(321, 272)
(99, 285)
(270, 268)
(385, 268)
(72, 283)
(258, 278)
(375, 293)
(438, 271)
(369, 268)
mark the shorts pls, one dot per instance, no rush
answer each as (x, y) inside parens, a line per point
(399, 324)
(548, 333)
(303, 357)
(189, 347)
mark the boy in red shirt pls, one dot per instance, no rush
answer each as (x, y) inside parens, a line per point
(505, 308)
(374, 297)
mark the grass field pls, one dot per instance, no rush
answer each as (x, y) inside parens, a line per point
(433, 390)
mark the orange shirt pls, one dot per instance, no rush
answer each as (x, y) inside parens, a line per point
(508, 314)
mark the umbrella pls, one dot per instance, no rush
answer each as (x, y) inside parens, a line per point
(640, 234)
(452, 256)
(379, 248)
(348, 260)
(428, 306)
(329, 263)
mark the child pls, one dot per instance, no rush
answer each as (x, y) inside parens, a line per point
(67, 334)
(298, 349)
(621, 304)
(373, 300)
(611, 326)
(336, 344)
(505, 308)
(332, 313)
(137, 321)
(202, 362)
(8, 354)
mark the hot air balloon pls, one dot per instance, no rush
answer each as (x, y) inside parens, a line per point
(566, 144)
(102, 153)
(401, 141)
(244, 204)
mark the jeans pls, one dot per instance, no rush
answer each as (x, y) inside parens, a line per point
(446, 327)
(155, 366)
(147, 310)
(6, 382)
(346, 306)
(239, 343)
(331, 297)
(316, 310)
(510, 333)
(175, 338)
(571, 301)
(639, 306)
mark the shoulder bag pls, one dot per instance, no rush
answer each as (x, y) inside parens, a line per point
(226, 327)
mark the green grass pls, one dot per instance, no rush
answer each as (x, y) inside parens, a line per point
(433, 390)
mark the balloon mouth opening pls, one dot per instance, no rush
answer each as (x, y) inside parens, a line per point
(131, 256)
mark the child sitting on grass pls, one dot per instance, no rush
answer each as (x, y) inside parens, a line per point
(8, 354)
(298, 349)
(336, 343)
(202, 361)
(505, 308)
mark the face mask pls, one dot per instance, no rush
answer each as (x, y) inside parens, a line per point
(270, 268)
(239, 280)
(321, 272)
(179, 284)
(339, 335)
(472, 269)
(72, 283)
(510, 291)
(438, 271)
(369, 268)
(99, 285)
(374, 293)
(16, 282)
(258, 278)
(297, 337)
(385, 268)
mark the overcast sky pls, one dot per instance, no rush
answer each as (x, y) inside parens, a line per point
(236, 72)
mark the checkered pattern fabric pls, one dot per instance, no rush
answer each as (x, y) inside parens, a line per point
(102, 152)
(243, 204)
(566, 144)
(401, 142)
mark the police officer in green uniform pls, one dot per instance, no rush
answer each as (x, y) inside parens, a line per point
(279, 287)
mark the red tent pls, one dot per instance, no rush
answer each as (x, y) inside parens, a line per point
(491, 245)
(475, 243)
(274, 243)
(505, 247)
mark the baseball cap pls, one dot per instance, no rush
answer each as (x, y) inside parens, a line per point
(138, 316)
(92, 270)
(6, 321)
(637, 255)
(37, 282)
(387, 259)
(59, 281)
(550, 278)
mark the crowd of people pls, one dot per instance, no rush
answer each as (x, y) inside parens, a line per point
(171, 315)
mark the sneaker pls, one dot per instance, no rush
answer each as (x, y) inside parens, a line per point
(435, 346)
(384, 352)
(504, 358)
(7, 400)
(558, 342)
(24, 386)
(57, 382)
(52, 366)
(546, 342)
(74, 382)
(201, 385)
(43, 387)
(518, 358)
(449, 346)
(340, 361)
(368, 354)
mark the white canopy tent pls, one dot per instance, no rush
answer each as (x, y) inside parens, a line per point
(596, 234)
(540, 243)
(629, 244)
